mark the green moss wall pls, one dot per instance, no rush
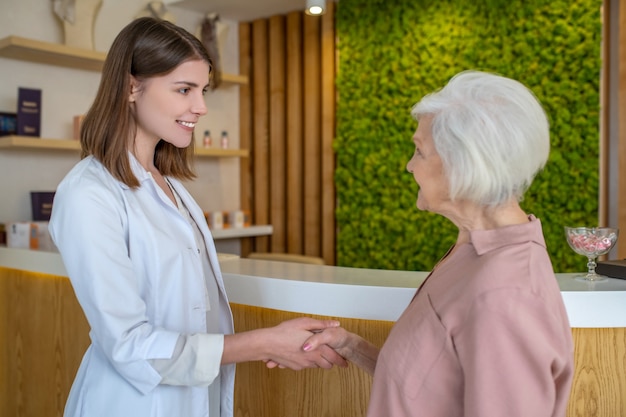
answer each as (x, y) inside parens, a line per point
(392, 52)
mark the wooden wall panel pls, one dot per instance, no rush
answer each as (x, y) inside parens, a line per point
(245, 128)
(278, 160)
(621, 221)
(295, 130)
(260, 148)
(292, 58)
(328, 135)
(312, 131)
(604, 166)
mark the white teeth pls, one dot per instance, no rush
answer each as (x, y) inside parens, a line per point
(188, 124)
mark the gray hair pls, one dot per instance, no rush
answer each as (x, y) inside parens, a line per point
(491, 133)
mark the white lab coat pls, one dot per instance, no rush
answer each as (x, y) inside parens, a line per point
(137, 273)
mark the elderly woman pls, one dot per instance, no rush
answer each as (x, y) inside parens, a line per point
(487, 333)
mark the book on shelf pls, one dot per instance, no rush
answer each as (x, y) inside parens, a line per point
(28, 112)
(41, 202)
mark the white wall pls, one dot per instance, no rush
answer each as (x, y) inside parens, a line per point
(67, 92)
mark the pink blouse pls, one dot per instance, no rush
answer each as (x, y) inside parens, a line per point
(486, 335)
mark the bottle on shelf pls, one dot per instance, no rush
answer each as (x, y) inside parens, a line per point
(224, 141)
(206, 140)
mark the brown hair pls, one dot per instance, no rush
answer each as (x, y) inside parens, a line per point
(145, 48)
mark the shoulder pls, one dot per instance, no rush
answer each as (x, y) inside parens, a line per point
(87, 184)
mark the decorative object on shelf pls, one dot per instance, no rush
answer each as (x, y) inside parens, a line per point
(315, 7)
(78, 121)
(28, 111)
(224, 141)
(156, 9)
(78, 17)
(591, 242)
(215, 219)
(209, 35)
(235, 219)
(8, 123)
(29, 235)
(206, 139)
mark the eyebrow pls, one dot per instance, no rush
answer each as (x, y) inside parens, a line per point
(190, 84)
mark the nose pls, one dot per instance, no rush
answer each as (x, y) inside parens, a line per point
(199, 106)
(408, 166)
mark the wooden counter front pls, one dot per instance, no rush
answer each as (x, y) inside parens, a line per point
(44, 335)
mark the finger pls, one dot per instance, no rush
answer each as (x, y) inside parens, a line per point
(310, 323)
(313, 342)
(332, 357)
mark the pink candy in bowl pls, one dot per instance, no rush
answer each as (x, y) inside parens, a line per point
(591, 242)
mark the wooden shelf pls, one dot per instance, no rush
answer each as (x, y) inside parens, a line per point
(31, 50)
(51, 53)
(219, 152)
(236, 233)
(27, 142)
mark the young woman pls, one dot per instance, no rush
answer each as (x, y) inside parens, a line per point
(138, 251)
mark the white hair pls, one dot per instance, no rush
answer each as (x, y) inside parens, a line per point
(491, 133)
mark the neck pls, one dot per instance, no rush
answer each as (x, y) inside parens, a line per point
(468, 217)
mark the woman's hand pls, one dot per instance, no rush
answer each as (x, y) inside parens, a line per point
(281, 346)
(348, 345)
(290, 335)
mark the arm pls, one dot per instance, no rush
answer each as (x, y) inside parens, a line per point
(282, 345)
(349, 345)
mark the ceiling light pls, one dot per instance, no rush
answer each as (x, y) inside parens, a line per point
(315, 7)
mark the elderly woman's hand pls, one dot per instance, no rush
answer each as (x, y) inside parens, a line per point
(349, 345)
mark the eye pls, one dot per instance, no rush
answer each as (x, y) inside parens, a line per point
(204, 91)
(417, 152)
(184, 90)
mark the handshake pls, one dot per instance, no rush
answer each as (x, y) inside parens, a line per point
(310, 343)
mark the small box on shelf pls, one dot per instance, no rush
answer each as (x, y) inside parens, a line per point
(235, 219)
(29, 235)
(28, 112)
(215, 219)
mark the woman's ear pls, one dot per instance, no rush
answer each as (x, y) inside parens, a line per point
(134, 89)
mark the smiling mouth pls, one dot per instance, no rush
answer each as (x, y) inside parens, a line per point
(186, 124)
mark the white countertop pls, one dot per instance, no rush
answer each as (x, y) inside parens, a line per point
(352, 292)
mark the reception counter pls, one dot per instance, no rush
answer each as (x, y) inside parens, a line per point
(46, 334)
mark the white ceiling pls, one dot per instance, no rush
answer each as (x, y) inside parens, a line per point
(241, 10)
